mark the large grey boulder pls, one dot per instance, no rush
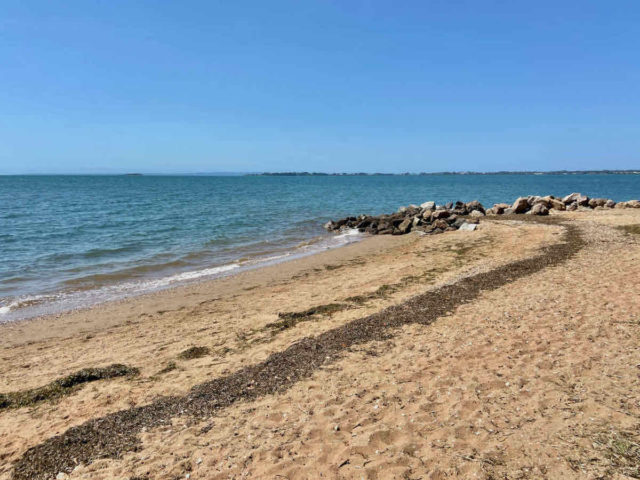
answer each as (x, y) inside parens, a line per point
(428, 206)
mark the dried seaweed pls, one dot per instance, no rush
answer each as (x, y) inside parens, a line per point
(63, 386)
(193, 352)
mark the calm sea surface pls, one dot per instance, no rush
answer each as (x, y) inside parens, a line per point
(70, 241)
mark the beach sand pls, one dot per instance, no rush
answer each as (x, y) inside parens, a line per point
(535, 379)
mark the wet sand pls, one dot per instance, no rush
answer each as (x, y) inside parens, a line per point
(366, 412)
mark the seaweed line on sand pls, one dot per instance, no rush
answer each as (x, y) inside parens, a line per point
(117, 433)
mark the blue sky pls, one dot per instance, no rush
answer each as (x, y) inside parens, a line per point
(165, 86)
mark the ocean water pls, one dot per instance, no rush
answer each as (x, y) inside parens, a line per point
(73, 241)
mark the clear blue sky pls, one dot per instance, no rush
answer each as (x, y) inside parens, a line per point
(191, 86)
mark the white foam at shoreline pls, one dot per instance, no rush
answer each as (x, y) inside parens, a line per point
(29, 306)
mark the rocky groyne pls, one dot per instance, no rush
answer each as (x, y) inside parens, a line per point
(430, 218)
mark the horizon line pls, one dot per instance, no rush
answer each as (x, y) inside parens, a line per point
(320, 173)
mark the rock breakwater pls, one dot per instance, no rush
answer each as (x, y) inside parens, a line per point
(430, 218)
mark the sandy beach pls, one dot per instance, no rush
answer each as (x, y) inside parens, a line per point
(531, 376)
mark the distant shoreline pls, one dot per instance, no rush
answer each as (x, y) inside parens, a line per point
(407, 174)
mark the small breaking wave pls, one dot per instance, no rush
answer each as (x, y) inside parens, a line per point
(93, 289)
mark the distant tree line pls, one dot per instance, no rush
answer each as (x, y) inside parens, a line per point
(502, 172)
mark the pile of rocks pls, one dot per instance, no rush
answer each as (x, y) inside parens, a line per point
(535, 205)
(427, 218)
(431, 218)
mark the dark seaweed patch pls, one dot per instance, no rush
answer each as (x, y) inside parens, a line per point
(291, 319)
(64, 386)
(193, 352)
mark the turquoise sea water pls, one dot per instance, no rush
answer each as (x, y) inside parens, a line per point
(71, 241)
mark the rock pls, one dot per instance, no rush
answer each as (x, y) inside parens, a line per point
(546, 201)
(460, 208)
(539, 209)
(597, 202)
(633, 204)
(448, 205)
(405, 226)
(426, 228)
(610, 204)
(476, 214)
(556, 204)
(572, 206)
(499, 208)
(571, 198)
(459, 222)
(428, 206)
(521, 205)
(440, 223)
(474, 206)
(401, 210)
(582, 201)
(492, 211)
(468, 227)
(509, 211)
(621, 205)
(440, 214)
(328, 225)
(417, 221)
(364, 223)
